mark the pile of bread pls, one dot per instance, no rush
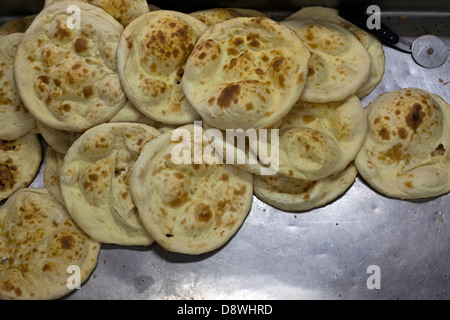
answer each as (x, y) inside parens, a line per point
(104, 92)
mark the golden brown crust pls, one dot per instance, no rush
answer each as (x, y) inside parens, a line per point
(123, 11)
(15, 120)
(94, 181)
(151, 58)
(20, 160)
(188, 208)
(38, 242)
(66, 77)
(406, 154)
(339, 65)
(245, 73)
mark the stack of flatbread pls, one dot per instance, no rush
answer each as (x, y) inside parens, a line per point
(310, 94)
(127, 99)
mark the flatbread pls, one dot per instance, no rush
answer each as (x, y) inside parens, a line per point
(67, 77)
(406, 154)
(214, 16)
(290, 194)
(151, 58)
(129, 113)
(19, 163)
(94, 181)
(188, 208)
(339, 65)
(38, 243)
(58, 140)
(29, 20)
(53, 163)
(123, 11)
(16, 25)
(15, 120)
(61, 140)
(246, 73)
(370, 42)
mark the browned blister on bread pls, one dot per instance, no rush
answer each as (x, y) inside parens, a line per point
(245, 73)
(15, 120)
(151, 59)
(66, 76)
(20, 160)
(95, 177)
(39, 244)
(406, 154)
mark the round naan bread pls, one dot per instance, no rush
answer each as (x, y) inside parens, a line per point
(189, 207)
(20, 160)
(95, 178)
(246, 73)
(321, 139)
(151, 58)
(407, 151)
(53, 163)
(15, 120)
(39, 246)
(214, 16)
(123, 11)
(66, 77)
(290, 194)
(370, 42)
(339, 65)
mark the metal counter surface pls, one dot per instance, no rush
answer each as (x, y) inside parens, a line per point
(325, 253)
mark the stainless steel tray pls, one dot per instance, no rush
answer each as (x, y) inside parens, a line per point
(326, 253)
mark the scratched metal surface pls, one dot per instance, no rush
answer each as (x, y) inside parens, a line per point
(320, 254)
